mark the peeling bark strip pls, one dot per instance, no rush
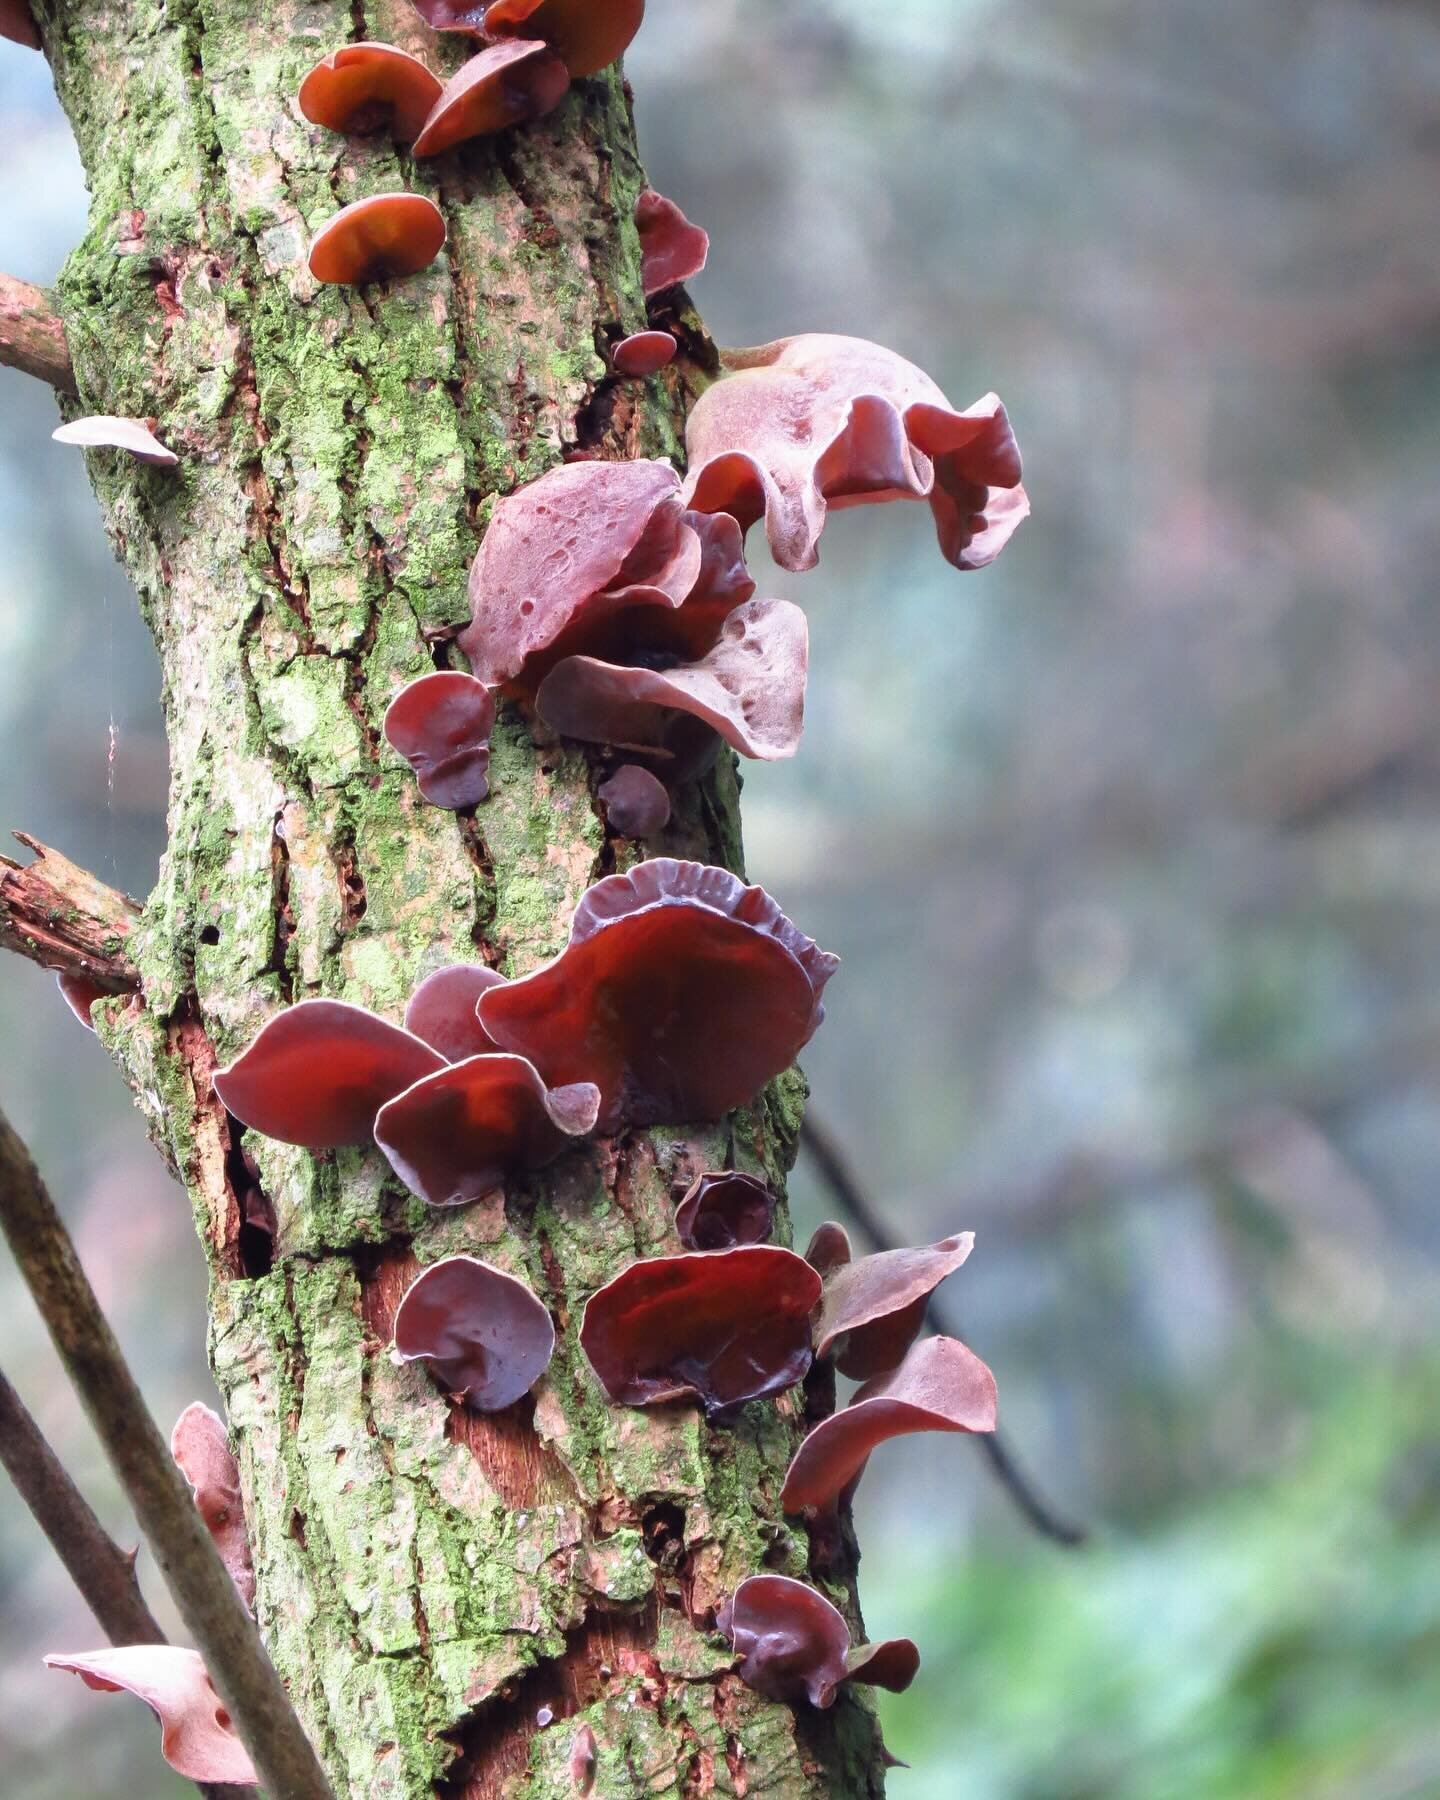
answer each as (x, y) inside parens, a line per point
(32, 337)
(421, 1576)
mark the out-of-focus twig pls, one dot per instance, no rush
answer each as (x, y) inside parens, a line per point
(32, 338)
(835, 1170)
(59, 915)
(214, 1614)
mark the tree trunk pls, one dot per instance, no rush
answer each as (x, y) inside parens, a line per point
(430, 1582)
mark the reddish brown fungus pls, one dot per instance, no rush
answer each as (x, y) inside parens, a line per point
(723, 1209)
(940, 1386)
(672, 250)
(18, 24)
(646, 353)
(873, 1309)
(792, 1641)
(442, 1011)
(636, 804)
(79, 994)
(809, 423)
(196, 1736)
(726, 1327)
(441, 725)
(829, 1248)
(483, 1335)
(504, 85)
(201, 1446)
(750, 688)
(361, 87)
(458, 1133)
(103, 431)
(318, 1073)
(588, 34)
(680, 993)
(383, 238)
(453, 15)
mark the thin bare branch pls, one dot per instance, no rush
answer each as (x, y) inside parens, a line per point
(32, 337)
(223, 1631)
(59, 915)
(834, 1169)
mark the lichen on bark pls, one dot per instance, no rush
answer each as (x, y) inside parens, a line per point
(429, 1582)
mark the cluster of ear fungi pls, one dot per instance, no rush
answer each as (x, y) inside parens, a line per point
(611, 604)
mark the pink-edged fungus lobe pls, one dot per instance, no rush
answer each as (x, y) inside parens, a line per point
(80, 994)
(792, 1641)
(196, 1736)
(441, 725)
(382, 238)
(726, 1327)
(671, 248)
(680, 994)
(646, 353)
(201, 1446)
(587, 34)
(483, 1335)
(458, 1133)
(361, 87)
(636, 803)
(873, 1309)
(317, 1074)
(18, 24)
(103, 431)
(808, 423)
(442, 1010)
(504, 84)
(723, 1209)
(940, 1386)
(828, 1248)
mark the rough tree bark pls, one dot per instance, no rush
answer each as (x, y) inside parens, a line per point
(428, 1581)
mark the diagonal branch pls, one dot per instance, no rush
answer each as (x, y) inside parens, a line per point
(59, 915)
(214, 1614)
(834, 1169)
(32, 337)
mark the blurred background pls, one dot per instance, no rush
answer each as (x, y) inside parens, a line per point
(1131, 845)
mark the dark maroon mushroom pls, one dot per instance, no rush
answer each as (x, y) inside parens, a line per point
(458, 1133)
(873, 1309)
(723, 1209)
(361, 87)
(680, 994)
(18, 24)
(727, 1327)
(503, 85)
(80, 994)
(318, 1073)
(200, 1445)
(442, 1011)
(196, 1736)
(484, 1337)
(829, 1248)
(441, 725)
(636, 803)
(792, 1641)
(671, 248)
(940, 1386)
(646, 353)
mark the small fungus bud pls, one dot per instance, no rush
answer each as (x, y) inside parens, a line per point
(723, 1209)
(482, 1334)
(441, 725)
(636, 804)
(791, 1642)
(646, 353)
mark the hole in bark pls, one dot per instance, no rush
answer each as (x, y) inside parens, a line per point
(210, 934)
(664, 1531)
(255, 1227)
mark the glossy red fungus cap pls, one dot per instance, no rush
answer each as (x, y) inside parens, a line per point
(874, 1308)
(750, 688)
(582, 542)
(646, 353)
(196, 1736)
(726, 1327)
(361, 87)
(383, 238)
(318, 1073)
(588, 34)
(680, 993)
(442, 1011)
(636, 803)
(441, 725)
(940, 1386)
(505, 84)
(201, 1446)
(17, 24)
(829, 1248)
(814, 422)
(103, 431)
(724, 1209)
(484, 1336)
(79, 994)
(458, 1133)
(792, 1641)
(671, 248)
